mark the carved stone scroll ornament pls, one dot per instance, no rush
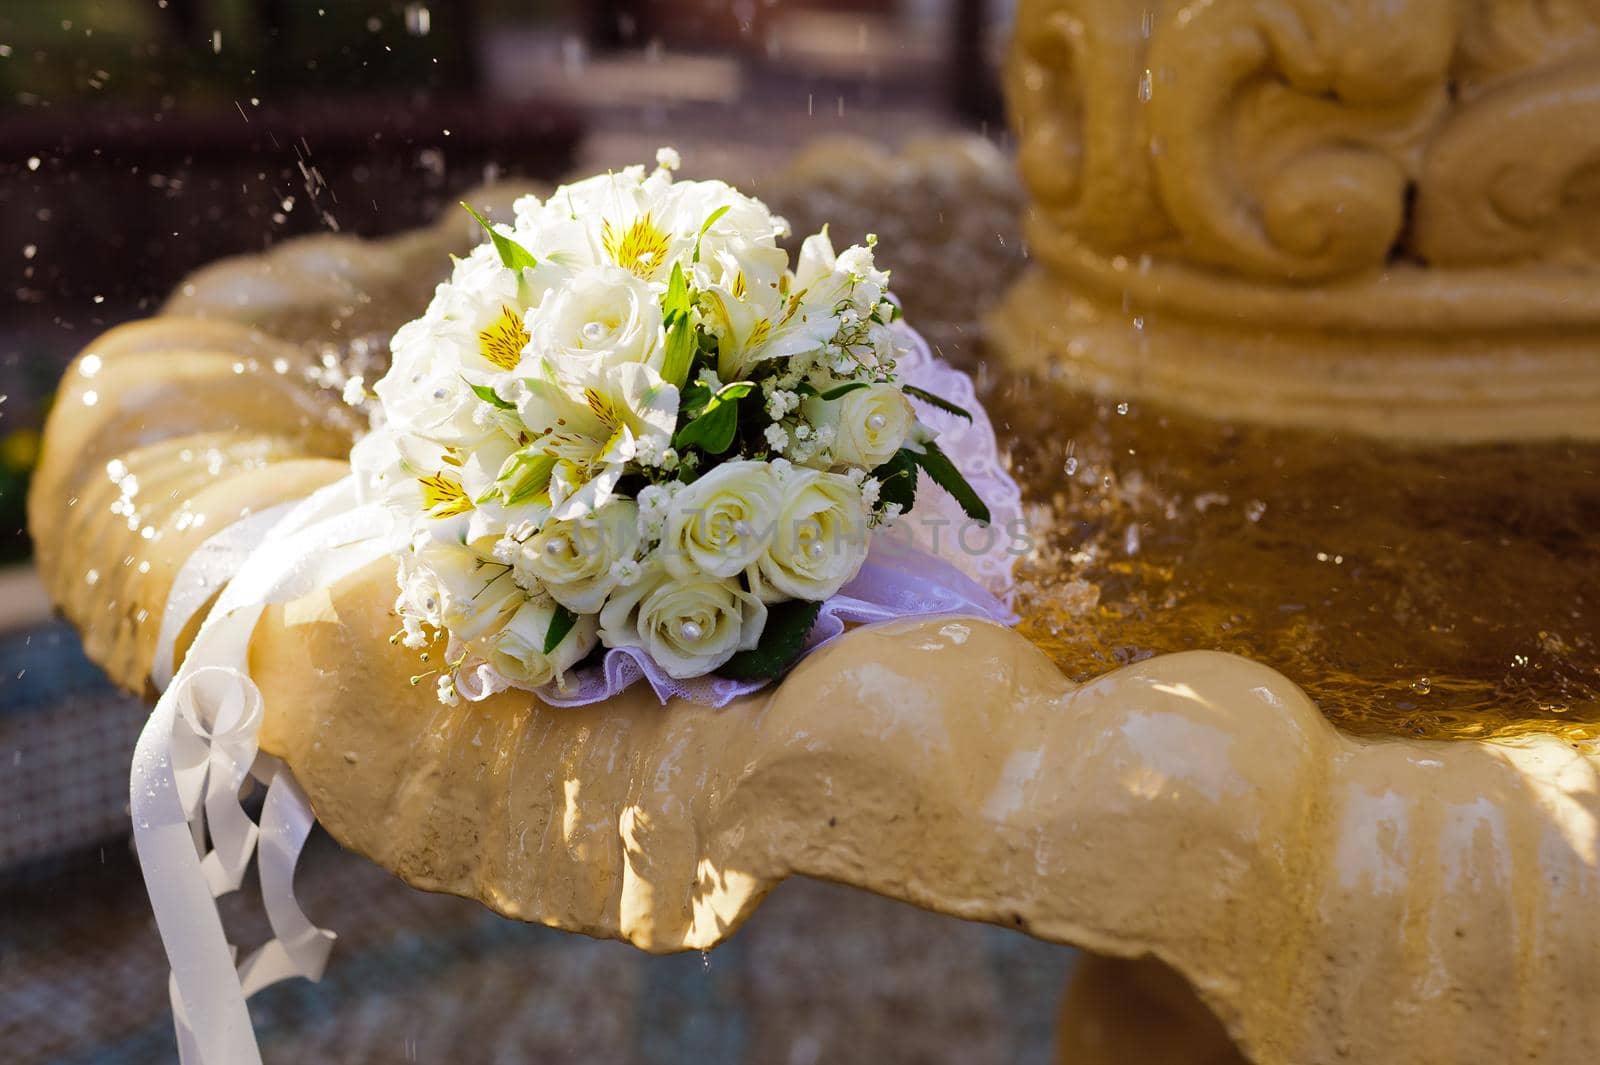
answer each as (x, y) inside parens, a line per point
(1380, 217)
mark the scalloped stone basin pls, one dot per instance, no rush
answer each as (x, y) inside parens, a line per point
(1327, 896)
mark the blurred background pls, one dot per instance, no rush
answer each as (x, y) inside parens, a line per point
(141, 139)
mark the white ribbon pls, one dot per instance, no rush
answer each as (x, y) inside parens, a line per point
(198, 750)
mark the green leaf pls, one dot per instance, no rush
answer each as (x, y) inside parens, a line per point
(514, 255)
(936, 401)
(898, 477)
(844, 390)
(487, 394)
(681, 340)
(714, 428)
(560, 624)
(943, 473)
(781, 642)
(693, 397)
(676, 302)
(523, 475)
(711, 220)
(733, 390)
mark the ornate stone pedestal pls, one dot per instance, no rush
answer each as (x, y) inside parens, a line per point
(1386, 899)
(1316, 212)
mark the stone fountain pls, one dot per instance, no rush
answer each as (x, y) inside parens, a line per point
(1303, 261)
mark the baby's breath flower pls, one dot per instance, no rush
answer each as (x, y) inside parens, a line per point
(668, 158)
(777, 437)
(654, 502)
(355, 391)
(648, 452)
(779, 401)
(625, 571)
(510, 390)
(871, 487)
(447, 690)
(415, 636)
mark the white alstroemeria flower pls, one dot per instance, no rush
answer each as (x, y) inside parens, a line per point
(517, 652)
(601, 318)
(869, 425)
(736, 235)
(851, 275)
(748, 333)
(759, 322)
(721, 523)
(576, 560)
(689, 627)
(570, 229)
(588, 428)
(820, 541)
(478, 594)
(476, 321)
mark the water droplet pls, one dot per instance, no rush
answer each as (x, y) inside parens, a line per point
(1422, 685)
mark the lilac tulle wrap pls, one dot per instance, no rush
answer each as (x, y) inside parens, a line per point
(933, 560)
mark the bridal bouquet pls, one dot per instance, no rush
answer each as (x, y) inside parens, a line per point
(627, 421)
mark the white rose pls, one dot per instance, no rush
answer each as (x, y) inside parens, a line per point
(602, 317)
(421, 596)
(688, 627)
(424, 394)
(478, 594)
(869, 424)
(575, 559)
(516, 652)
(720, 524)
(820, 542)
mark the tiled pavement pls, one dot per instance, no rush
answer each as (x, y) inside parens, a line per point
(820, 974)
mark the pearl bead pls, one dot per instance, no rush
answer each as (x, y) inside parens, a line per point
(741, 528)
(816, 550)
(594, 331)
(690, 631)
(557, 546)
(876, 422)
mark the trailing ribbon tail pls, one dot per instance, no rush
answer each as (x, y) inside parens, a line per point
(199, 747)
